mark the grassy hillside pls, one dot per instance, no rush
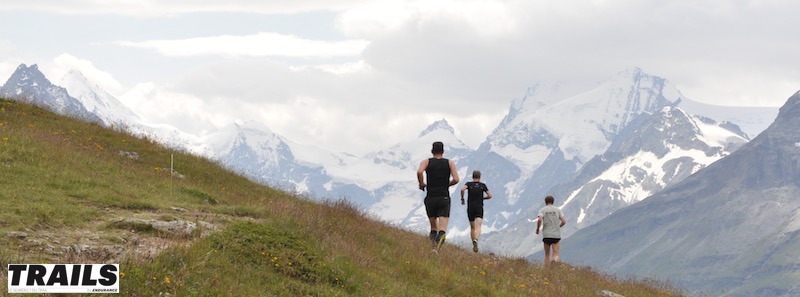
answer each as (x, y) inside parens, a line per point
(74, 192)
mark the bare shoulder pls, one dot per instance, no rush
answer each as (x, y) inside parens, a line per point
(423, 165)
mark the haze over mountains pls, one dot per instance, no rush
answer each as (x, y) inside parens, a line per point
(596, 147)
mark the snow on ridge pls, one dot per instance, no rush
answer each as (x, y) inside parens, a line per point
(716, 136)
(633, 191)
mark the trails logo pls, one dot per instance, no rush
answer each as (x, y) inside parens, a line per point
(63, 278)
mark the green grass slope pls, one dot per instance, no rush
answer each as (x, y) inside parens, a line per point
(72, 192)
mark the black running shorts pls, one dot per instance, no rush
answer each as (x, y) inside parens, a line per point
(437, 206)
(474, 212)
(551, 240)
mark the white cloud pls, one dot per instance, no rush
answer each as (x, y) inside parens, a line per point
(10, 58)
(404, 64)
(186, 112)
(261, 44)
(65, 62)
(340, 69)
(160, 8)
(375, 18)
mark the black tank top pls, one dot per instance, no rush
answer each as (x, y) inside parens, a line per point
(438, 173)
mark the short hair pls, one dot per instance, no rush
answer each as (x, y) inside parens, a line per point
(476, 174)
(438, 147)
(549, 199)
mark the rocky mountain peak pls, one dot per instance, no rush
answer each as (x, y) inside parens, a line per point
(437, 125)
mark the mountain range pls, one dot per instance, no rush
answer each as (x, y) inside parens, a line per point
(598, 147)
(732, 227)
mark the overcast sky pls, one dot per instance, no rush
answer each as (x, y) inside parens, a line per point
(358, 76)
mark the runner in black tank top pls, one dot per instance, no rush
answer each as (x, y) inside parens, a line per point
(437, 200)
(438, 173)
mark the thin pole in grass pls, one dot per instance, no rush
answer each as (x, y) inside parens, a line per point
(171, 172)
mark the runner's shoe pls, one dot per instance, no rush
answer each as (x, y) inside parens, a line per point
(475, 246)
(440, 239)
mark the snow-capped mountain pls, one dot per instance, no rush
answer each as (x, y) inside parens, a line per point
(404, 193)
(667, 147)
(598, 146)
(543, 141)
(82, 99)
(28, 84)
(730, 229)
(114, 114)
(382, 183)
(97, 101)
(389, 175)
(253, 150)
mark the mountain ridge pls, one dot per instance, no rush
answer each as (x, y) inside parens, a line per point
(700, 232)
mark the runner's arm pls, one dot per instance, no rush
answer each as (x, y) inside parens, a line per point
(538, 224)
(422, 166)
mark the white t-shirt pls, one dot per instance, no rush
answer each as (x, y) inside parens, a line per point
(551, 221)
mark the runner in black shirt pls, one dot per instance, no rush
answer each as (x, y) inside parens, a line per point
(475, 190)
(437, 200)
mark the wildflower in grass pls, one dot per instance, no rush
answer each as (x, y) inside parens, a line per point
(121, 274)
(408, 262)
(483, 272)
(5, 139)
(166, 280)
(474, 266)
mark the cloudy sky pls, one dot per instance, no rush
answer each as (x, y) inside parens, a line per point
(357, 76)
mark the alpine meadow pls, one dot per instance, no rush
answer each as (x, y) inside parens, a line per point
(180, 225)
